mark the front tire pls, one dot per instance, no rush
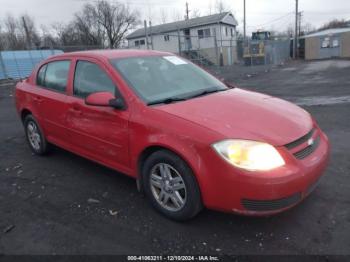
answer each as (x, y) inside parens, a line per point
(35, 136)
(171, 186)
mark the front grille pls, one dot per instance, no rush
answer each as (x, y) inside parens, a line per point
(307, 150)
(271, 205)
(301, 140)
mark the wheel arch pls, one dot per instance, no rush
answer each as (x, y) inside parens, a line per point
(149, 150)
(24, 113)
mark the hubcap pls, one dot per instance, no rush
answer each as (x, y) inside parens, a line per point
(168, 187)
(33, 135)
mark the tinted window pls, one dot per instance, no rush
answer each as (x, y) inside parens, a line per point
(56, 75)
(41, 76)
(90, 78)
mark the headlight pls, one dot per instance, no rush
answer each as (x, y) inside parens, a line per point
(250, 155)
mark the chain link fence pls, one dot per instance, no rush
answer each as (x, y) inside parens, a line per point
(213, 51)
(205, 50)
(263, 52)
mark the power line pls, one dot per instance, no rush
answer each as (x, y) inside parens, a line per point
(272, 21)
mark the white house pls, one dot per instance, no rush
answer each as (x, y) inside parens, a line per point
(208, 37)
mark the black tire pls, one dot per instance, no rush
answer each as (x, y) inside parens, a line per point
(43, 147)
(193, 203)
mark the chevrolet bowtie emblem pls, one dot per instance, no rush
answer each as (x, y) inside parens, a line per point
(310, 142)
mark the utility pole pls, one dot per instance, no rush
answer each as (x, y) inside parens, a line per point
(29, 42)
(300, 18)
(295, 46)
(146, 33)
(244, 22)
(187, 12)
(150, 33)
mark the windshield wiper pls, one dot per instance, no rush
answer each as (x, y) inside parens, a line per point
(167, 100)
(177, 99)
(206, 92)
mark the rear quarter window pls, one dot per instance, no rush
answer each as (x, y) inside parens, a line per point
(41, 76)
(54, 75)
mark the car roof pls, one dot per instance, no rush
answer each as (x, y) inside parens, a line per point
(112, 53)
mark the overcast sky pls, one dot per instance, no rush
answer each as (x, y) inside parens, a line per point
(261, 14)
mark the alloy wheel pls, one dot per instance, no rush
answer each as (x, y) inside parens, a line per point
(34, 135)
(168, 187)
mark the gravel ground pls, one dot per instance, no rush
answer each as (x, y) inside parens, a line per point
(64, 204)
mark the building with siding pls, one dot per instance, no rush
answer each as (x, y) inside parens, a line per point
(212, 37)
(330, 43)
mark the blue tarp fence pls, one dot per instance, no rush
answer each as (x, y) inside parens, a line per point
(19, 64)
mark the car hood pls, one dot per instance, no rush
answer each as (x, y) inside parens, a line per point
(242, 114)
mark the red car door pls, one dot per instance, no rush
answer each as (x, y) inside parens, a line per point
(50, 99)
(97, 132)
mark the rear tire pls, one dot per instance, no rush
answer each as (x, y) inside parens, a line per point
(171, 186)
(35, 136)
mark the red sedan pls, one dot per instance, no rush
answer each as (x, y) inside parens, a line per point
(188, 139)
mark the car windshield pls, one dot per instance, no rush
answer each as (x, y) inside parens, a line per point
(166, 79)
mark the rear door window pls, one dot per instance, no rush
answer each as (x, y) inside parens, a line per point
(54, 75)
(90, 78)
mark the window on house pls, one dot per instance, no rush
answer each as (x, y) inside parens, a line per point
(166, 38)
(231, 31)
(325, 43)
(202, 33)
(142, 42)
(137, 43)
(335, 43)
(226, 31)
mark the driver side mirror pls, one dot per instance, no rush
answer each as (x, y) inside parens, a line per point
(104, 99)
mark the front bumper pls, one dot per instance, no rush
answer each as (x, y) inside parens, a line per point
(229, 189)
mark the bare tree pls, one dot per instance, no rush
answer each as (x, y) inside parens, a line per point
(101, 23)
(221, 7)
(11, 33)
(66, 34)
(48, 40)
(290, 31)
(89, 29)
(195, 13)
(28, 30)
(163, 16)
(116, 19)
(308, 28)
(335, 23)
(210, 8)
(177, 15)
(2, 37)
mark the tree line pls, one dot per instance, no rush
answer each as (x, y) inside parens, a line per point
(100, 24)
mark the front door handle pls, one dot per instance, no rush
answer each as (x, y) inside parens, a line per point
(76, 110)
(38, 99)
